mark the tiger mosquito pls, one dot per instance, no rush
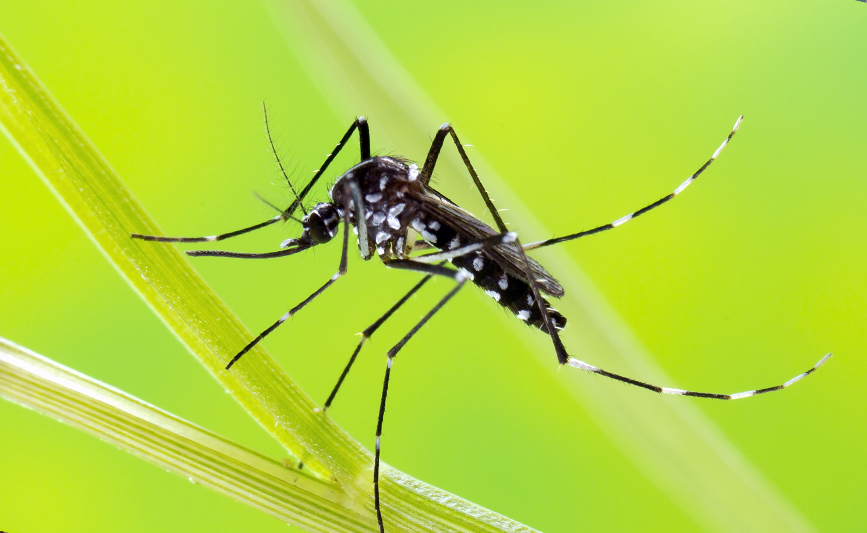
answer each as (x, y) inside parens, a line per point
(388, 201)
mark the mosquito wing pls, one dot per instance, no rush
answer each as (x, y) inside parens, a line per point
(472, 229)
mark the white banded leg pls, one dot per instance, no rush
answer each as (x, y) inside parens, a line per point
(367, 333)
(461, 279)
(680, 392)
(654, 205)
(482, 244)
(340, 272)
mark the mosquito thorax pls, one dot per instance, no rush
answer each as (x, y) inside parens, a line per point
(321, 223)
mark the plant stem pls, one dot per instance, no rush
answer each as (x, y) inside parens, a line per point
(202, 457)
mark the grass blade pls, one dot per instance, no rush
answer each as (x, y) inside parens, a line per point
(182, 447)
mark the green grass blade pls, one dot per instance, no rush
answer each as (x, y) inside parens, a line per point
(677, 447)
(97, 199)
(180, 446)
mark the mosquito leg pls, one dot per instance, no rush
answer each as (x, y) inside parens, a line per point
(461, 278)
(364, 140)
(367, 333)
(340, 272)
(360, 221)
(645, 209)
(212, 238)
(406, 264)
(430, 162)
(483, 244)
(564, 358)
(424, 268)
(680, 392)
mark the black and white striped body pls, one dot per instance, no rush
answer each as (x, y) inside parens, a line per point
(512, 293)
(393, 216)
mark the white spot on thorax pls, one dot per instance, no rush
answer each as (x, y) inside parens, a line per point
(434, 225)
(478, 264)
(392, 215)
(381, 237)
(413, 172)
(382, 182)
(504, 282)
(378, 218)
(373, 198)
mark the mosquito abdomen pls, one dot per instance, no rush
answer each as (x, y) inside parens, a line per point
(512, 293)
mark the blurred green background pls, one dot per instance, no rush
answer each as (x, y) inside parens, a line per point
(587, 110)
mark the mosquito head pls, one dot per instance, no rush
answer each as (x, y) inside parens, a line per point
(321, 223)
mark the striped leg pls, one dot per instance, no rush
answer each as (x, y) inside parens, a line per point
(340, 272)
(490, 242)
(430, 269)
(564, 358)
(654, 205)
(461, 279)
(364, 140)
(367, 333)
(680, 392)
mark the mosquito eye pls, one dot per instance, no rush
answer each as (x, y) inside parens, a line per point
(322, 223)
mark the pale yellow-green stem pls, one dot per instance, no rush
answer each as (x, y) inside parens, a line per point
(182, 447)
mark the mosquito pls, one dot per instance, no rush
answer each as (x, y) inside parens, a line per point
(389, 203)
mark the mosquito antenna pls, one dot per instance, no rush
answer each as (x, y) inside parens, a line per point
(280, 164)
(274, 207)
(360, 124)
